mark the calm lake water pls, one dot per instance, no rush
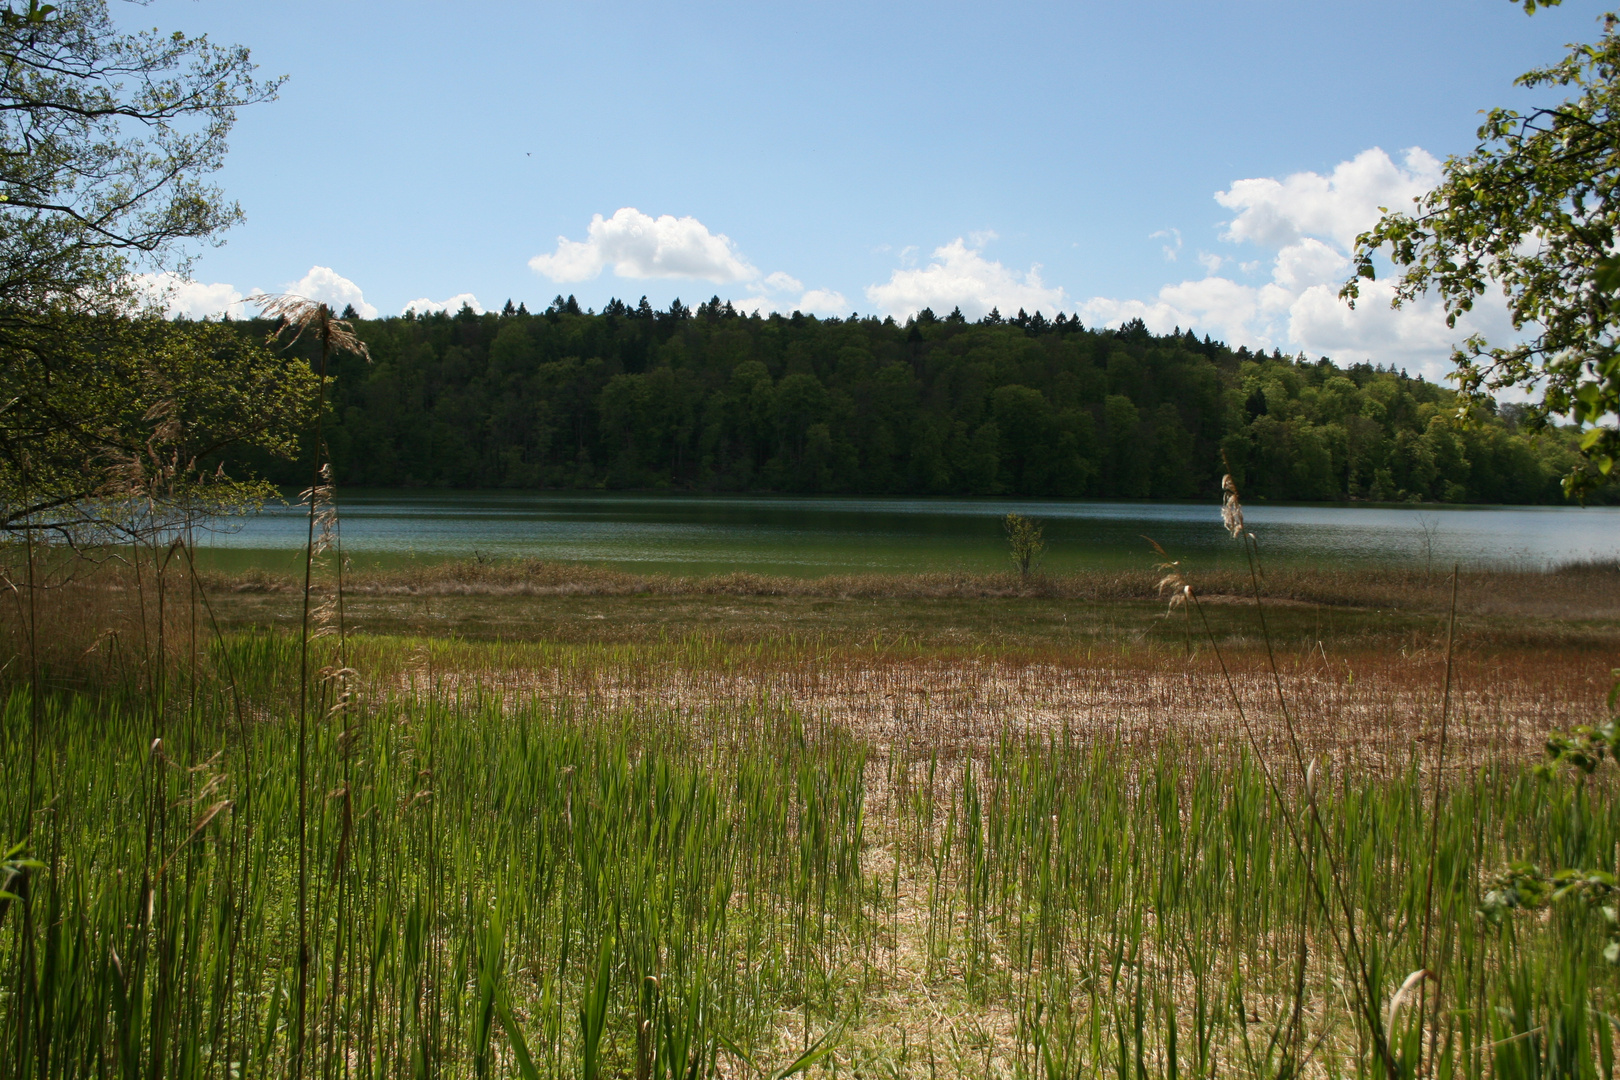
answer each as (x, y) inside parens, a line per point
(812, 536)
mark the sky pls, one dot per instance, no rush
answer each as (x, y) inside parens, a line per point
(1201, 164)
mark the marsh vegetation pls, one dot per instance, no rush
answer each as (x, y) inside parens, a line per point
(568, 822)
(523, 819)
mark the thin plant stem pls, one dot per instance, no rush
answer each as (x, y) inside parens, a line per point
(37, 705)
(1434, 823)
(303, 724)
(1380, 1037)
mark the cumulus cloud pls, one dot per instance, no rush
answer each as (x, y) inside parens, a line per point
(827, 302)
(960, 276)
(325, 284)
(176, 296)
(636, 245)
(1223, 308)
(1306, 225)
(1416, 334)
(424, 305)
(1307, 263)
(824, 302)
(1276, 213)
(781, 292)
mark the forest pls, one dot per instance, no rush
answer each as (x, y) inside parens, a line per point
(708, 399)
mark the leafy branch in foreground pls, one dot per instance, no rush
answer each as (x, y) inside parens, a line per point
(103, 413)
(1532, 210)
(1523, 886)
(105, 141)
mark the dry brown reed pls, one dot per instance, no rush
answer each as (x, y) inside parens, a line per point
(1364, 713)
(93, 626)
(1368, 710)
(1589, 591)
(121, 619)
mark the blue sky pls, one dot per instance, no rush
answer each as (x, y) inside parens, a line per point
(1194, 163)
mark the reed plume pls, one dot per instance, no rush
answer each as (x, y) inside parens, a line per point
(295, 317)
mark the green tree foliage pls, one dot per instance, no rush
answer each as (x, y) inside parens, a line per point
(1533, 211)
(136, 431)
(106, 140)
(106, 143)
(716, 401)
(1025, 542)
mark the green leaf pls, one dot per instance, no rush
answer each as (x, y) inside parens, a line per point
(813, 1055)
(514, 1035)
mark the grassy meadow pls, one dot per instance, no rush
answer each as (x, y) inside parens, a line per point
(529, 820)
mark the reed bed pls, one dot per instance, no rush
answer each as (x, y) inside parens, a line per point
(531, 859)
(1584, 590)
(1371, 708)
(254, 852)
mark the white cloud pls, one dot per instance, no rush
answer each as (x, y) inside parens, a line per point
(196, 299)
(325, 284)
(814, 302)
(424, 305)
(1308, 222)
(1415, 335)
(783, 292)
(960, 276)
(824, 302)
(638, 246)
(1309, 262)
(1220, 307)
(1171, 251)
(1275, 213)
(176, 295)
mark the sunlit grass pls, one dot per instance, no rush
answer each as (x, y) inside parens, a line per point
(533, 859)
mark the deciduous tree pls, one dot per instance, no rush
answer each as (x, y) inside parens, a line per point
(1531, 211)
(107, 140)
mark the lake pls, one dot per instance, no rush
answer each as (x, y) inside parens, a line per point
(812, 536)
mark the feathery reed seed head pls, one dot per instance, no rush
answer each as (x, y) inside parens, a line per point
(1231, 507)
(298, 315)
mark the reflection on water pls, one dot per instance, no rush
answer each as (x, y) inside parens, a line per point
(689, 534)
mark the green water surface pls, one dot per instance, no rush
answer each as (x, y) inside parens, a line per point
(813, 536)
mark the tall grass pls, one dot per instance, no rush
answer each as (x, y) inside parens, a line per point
(552, 884)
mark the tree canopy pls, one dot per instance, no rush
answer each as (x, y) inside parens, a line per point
(1531, 211)
(707, 399)
(134, 434)
(106, 143)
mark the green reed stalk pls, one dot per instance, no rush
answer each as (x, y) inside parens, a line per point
(303, 708)
(1434, 829)
(1364, 983)
(1127, 898)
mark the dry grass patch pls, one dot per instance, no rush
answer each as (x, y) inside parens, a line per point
(1582, 590)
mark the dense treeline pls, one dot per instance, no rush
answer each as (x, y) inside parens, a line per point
(707, 399)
